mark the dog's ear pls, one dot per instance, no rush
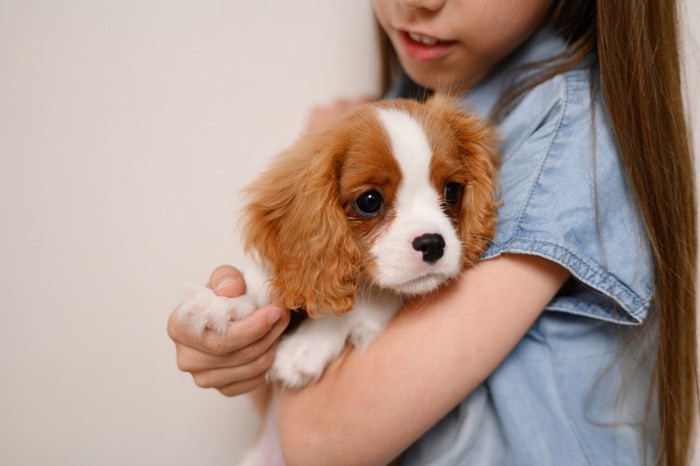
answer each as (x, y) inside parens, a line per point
(295, 224)
(477, 146)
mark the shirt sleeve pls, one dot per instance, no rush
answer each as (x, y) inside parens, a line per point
(565, 198)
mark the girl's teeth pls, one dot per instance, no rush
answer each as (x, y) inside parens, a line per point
(422, 39)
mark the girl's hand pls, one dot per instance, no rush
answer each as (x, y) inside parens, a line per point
(322, 116)
(235, 362)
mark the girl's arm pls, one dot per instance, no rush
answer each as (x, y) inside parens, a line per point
(368, 407)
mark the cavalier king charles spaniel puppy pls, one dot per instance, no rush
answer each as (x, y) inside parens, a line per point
(389, 203)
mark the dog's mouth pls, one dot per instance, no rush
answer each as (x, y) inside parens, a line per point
(424, 283)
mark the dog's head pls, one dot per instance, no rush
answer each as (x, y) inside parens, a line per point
(398, 194)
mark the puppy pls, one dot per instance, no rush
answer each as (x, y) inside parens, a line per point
(391, 202)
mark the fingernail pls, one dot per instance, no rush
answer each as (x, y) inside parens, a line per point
(273, 316)
(229, 282)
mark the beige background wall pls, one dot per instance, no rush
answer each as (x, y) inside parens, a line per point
(126, 127)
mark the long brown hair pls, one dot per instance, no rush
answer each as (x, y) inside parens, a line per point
(639, 60)
(636, 45)
(637, 48)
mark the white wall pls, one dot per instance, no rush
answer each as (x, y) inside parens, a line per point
(126, 127)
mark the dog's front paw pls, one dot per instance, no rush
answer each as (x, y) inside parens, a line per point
(295, 364)
(302, 357)
(203, 309)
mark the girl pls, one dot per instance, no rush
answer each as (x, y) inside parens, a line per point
(573, 341)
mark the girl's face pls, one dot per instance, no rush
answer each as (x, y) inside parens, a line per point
(451, 45)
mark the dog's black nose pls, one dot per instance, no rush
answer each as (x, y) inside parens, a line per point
(432, 245)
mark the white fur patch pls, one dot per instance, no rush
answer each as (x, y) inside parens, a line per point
(418, 212)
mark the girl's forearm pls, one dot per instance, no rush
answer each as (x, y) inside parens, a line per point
(368, 407)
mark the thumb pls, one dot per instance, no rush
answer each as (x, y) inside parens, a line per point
(227, 281)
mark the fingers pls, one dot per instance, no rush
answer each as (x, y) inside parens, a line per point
(191, 359)
(237, 360)
(239, 334)
(227, 376)
(238, 388)
(227, 281)
(237, 372)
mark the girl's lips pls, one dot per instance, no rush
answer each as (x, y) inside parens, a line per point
(423, 48)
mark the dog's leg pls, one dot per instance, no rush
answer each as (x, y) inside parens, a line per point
(373, 310)
(302, 356)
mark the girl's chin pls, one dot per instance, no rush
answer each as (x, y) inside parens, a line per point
(435, 83)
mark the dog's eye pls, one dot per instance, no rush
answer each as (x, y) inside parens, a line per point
(369, 204)
(453, 193)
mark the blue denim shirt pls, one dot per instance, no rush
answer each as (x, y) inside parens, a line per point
(574, 391)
